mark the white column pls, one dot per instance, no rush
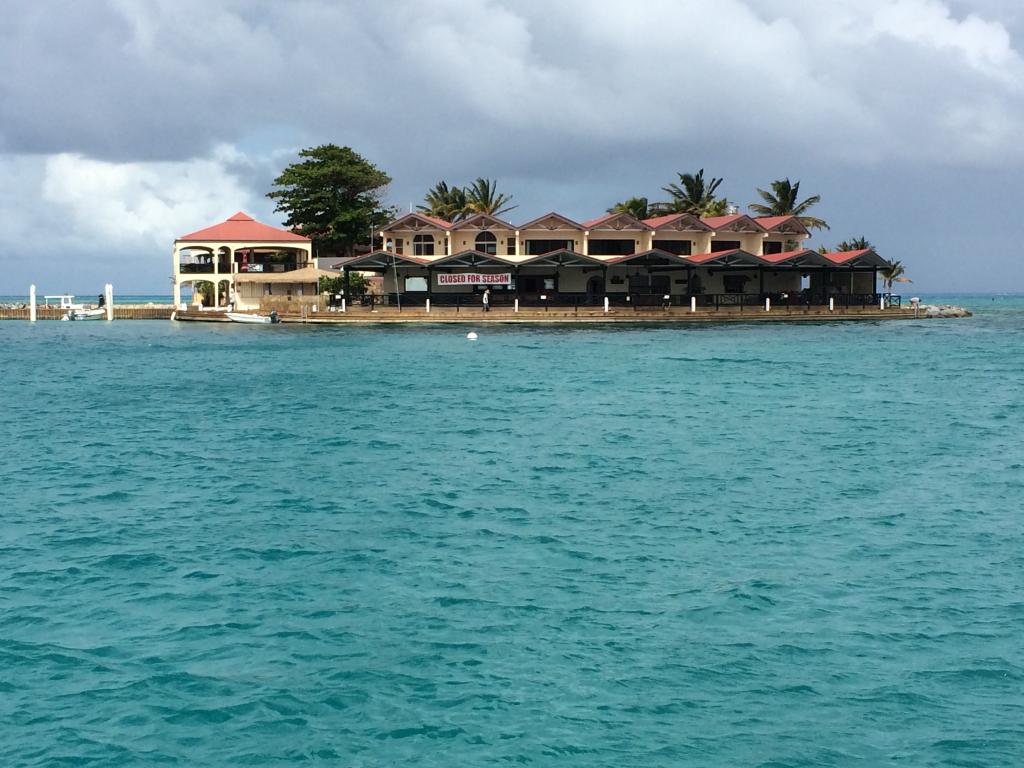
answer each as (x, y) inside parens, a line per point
(176, 277)
(767, 305)
(517, 305)
(881, 302)
(606, 305)
(343, 299)
(831, 304)
(108, 295)
(693, 303)
(428, 306)
(586, 243)
(32, 303)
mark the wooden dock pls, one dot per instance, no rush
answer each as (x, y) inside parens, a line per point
(567, 315)
(126, 312)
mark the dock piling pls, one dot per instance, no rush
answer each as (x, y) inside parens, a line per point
(108, 295)
(32, 303)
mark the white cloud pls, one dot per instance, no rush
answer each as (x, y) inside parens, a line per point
(142, 204)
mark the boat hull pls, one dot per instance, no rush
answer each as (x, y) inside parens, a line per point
(242, 317)
(87, 314)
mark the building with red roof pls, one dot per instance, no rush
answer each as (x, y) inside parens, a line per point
(245, 263)
(731, 260)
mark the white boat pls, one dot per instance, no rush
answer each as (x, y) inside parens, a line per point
(245, 317)
(67, 301)
(86, 314)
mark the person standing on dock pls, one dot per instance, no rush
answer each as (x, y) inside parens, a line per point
(487, 299)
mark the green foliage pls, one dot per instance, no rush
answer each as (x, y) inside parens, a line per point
(356, 284)
(890, 273)
(782, 201)
(854, 244)
(444, 202)
(636, 207)
(333, 195)
(695, 195)
(482, 197)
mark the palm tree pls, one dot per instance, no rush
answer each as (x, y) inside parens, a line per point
(693, 195)
(635, 206)
(482, 197)
(782, 201)
(854, 244)
(444, 202)
(890, 273)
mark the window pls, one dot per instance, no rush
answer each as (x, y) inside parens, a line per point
(398, 245)
(659, 284)
(717, 246)
(734, 283)
(422, 245)
(617, 247)
(537, 247)
(535, 284)
(510, 248)
(678, 247)
(772, 246)
(415, 284)
(486, 242)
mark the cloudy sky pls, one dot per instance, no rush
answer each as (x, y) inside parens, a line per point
(125, 123)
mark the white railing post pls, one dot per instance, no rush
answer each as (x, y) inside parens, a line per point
(768, 304)
(517, 304)
(831, 304)
(32, 303)
(108, 295)
(428, 306)
(343, 300)
(693, 303)
(881, 301)
(606, 305)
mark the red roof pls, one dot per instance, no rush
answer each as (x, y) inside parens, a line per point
(720, 221)
(841, 257)
(244, 228)
(658, 221)
(716, 222)
(439, 222)
(768, 222)
(598, 220)
(775, 258)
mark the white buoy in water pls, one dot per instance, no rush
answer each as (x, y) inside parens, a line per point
(472, 336)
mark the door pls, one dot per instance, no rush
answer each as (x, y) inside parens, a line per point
(595, 289)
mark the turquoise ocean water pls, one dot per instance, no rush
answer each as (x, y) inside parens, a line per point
(786, 545)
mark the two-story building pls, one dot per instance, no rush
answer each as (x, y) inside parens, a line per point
(553, 259)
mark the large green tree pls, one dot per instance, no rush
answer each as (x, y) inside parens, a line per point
(693, 194)
(332, 195)
(782, 201)
(636, 207)
(482, 197)
(444, 202)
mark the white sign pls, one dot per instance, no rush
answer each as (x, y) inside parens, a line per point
(255, 268)
(473, 278)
